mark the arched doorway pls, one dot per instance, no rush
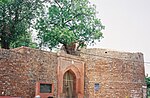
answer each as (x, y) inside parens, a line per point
(75, 73)
(69, 84)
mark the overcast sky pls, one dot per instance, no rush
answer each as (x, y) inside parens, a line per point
(127, 26)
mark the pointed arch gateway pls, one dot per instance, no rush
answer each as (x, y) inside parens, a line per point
(70, 78)
(69, 84)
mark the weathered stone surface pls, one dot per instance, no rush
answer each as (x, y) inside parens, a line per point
(21, 68)
(119, 74)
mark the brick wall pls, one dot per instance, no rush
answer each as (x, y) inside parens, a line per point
(120, 74)
(21, 68)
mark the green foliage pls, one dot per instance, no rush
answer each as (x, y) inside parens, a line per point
(69, 21)
(24, 40)
(5, 1)
(16, 17)
(147, 80)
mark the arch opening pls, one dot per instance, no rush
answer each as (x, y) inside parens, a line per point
(69, 84)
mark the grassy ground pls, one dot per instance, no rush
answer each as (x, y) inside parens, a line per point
(148, 96)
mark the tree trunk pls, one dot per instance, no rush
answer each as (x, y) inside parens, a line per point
(4, 41)
(70, 49)
(4, 44)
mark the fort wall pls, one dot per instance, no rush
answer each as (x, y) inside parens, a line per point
(22, 68)
(119, 74)
(107, 73)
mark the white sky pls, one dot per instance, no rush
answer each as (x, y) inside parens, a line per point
(127, 26)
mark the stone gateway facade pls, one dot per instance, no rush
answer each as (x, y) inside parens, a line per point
(96, 73)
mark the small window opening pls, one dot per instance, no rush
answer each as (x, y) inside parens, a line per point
(45, 88)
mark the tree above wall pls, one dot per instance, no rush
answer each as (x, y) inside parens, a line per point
(15, 21)
(72, 23)
(68, 22)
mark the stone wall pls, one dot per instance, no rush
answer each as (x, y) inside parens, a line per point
(21, 68)
(119, 74)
